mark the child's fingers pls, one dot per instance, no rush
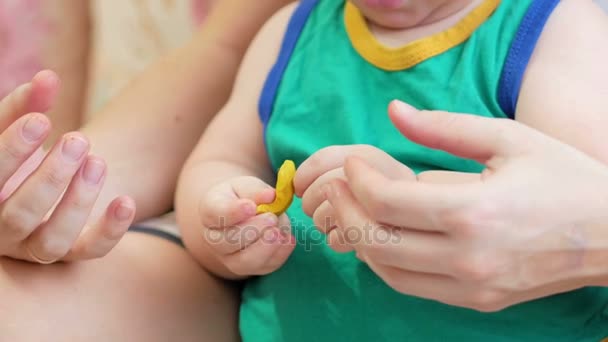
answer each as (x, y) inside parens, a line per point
(264, 256)
(220, 208)
(100, 239)
(233, 239)
(265, 196)
(250, 187)
(232, 202)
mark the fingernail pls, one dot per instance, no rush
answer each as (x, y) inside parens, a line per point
(123, 212)
(34, 128)
(403, 107)
(93, 171)
(271, 219)
(73, 148)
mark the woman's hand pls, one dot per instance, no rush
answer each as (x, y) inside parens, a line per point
(533, 224)
(46, 200)
(327, 165)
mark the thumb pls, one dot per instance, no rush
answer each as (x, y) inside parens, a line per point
(254, 189)
(464, 135)
(35, 96)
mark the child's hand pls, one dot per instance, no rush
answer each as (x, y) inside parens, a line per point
(327, 165)
(244, 243)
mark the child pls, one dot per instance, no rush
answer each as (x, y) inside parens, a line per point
(339, 65)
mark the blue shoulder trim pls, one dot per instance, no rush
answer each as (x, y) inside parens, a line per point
(271, 87)
(519, 55)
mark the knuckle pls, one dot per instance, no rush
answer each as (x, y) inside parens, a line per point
(477, 269)
(55, 179)
(13, 150)
(53, 247)
(17, 222)
(487, 301)
(469, 222)
(80, 203)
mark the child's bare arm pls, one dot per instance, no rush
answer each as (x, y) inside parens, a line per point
(231, 157)
(565, 88)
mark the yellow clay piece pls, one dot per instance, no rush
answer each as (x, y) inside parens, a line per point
(284, 190)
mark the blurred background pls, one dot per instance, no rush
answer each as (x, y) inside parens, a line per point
(96, 46)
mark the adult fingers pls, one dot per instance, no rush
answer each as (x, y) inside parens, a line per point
(333, 157)
(54, 239)
(417, 251)
(26, 209)
(464, 135)
(19, 141)
(324, 218)
(99, 239)
(411, 204)
(314, 196)
(35, 96)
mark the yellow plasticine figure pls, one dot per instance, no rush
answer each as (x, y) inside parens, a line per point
(284, 190)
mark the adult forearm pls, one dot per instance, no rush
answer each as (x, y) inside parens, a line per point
(148, 131)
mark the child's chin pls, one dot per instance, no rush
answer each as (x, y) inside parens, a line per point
(391, 20)
(383, 4)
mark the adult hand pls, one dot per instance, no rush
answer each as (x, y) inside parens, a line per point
(533, 224)
(327, 165)
(46, 200)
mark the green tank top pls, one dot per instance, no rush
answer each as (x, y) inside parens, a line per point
(331, 86)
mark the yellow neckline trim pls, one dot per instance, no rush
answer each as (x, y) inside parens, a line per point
(393, 59)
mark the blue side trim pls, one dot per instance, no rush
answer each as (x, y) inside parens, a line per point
(520, 53)
(271, 87)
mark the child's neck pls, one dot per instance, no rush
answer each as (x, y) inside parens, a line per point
(427, 21)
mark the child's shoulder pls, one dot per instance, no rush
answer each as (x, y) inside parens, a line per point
(571, 47)
(566, 81)
(281, 19)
